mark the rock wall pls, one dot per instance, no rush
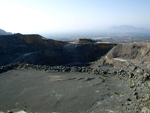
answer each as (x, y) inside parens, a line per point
(70, 54)
(13, 47)
(35, 49)
(37, 41)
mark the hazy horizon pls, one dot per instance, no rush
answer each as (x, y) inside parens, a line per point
(70, 16)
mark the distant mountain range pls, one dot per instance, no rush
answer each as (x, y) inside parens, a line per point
(127, 28)
(2, 32)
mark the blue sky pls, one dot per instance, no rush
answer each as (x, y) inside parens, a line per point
(52, 16)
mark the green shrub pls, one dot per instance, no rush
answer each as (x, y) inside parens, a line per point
(102, 74)
(115, 92)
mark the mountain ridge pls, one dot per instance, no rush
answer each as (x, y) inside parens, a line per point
(128, 28)
(3, 32)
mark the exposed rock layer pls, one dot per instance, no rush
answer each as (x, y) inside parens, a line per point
(36, 49)
(13, 47)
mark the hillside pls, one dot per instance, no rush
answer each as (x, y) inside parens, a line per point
(18, 46)
(73, 77)
(116, 80)
(2, 32)
(36, 49)
(135, 53)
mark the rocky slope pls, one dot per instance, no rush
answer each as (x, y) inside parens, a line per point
(124, 71)
(13, 47)
(36, 49)
(132, 63)
(119, 91)
(69, 54)
(130, 51)
(137, 54)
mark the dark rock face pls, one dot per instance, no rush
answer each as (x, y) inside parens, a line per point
(70, 54)
(84, 53)
(26, 43)
(36, 49)
(18, 46)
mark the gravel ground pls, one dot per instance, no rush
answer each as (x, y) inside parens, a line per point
(64, 92)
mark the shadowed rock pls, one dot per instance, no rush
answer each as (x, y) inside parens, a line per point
(35, 49)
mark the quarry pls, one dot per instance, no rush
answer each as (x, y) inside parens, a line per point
(44, 75)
